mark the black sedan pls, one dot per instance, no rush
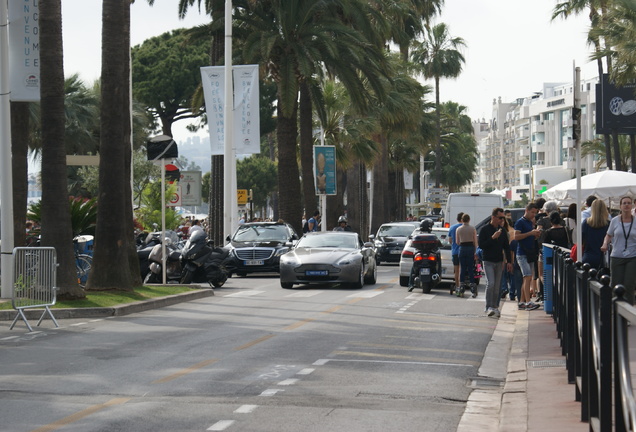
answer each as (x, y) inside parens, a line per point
(390, 240)
(256, 247)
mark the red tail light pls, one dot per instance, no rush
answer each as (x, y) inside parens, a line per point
(420, 257)
(407, 253)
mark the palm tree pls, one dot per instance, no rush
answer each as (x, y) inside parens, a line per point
(113, 240)
(596, 149)
(299, 41)
(438, 57)
(56, 220)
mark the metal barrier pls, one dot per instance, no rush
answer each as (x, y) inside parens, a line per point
(593, 329)
(34, 275)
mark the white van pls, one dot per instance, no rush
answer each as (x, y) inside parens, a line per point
(477, 205)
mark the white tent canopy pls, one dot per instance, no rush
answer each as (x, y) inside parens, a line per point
(606, 185)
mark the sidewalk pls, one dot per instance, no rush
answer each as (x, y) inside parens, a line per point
(535, 394)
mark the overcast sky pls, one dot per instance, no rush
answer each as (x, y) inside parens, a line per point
(512, 46)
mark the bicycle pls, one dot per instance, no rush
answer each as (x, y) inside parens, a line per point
(83, 263)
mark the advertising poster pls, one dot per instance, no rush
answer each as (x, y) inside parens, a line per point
(24, 50)
(246, 108)
(325, 169)
(190, 184)
(615, 108)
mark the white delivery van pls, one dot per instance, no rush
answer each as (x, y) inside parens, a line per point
(477, 205)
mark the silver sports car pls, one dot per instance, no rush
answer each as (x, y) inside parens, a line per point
(329, 257)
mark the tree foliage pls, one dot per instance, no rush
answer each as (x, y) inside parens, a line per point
(258, 174)
(166, 74)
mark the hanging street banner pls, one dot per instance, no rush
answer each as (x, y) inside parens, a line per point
(24, 50)
(246, 108)
(191, 185)
(325, 169)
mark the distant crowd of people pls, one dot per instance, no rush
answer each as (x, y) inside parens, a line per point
(512, 253)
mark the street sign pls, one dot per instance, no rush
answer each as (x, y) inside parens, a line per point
(241, 196)
(191, 185)
(175, 199)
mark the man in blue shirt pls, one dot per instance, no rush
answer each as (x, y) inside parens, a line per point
(526, 236)
(455, 249)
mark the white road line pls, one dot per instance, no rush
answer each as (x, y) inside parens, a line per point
(305, 293)
(10, 338)
(320, 362)
(420, 296)
(305, 371)
(221, 425)
(289, 381)
(366, 294)
(247, 293)
(97, 320)
(271, 392)
(77, 324)
(245, 409)
(400, 362)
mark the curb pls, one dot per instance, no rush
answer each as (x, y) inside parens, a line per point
(125, 309)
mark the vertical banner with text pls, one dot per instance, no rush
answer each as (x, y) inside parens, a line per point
(246, 107)
(325, 169)
(24, 50)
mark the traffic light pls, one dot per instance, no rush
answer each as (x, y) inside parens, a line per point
(576, 123)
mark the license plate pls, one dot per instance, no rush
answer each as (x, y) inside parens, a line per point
(395, 252)
(253, 262)
(425, 271)
(316, 273)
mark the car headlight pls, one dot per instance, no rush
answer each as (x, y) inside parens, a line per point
(281, 251)
(344, 261)
(288, 260)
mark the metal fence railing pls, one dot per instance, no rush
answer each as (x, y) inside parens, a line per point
(593, 323)
(34, 275)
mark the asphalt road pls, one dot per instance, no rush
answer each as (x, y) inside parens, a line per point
(255, 357)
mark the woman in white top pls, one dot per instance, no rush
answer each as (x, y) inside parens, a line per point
(622, 235)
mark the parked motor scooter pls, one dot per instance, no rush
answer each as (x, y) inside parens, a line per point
(427, 262)
(202, 262)
(173, 261)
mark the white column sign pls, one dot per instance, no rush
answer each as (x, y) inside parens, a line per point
(24, 50)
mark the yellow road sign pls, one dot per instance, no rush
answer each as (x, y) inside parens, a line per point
(241, 196)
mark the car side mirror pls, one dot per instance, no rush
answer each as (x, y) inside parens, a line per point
(227, 238)
(368, 245)
(371, 236)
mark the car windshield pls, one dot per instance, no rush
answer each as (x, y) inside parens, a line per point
(328, 241)
(261, 233)
(395, 230)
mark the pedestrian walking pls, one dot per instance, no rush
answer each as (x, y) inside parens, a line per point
(621, 234)
(467, 241)
(509, 286)
(527, 253)
(593, 231)
(493, 241)
(452, 231)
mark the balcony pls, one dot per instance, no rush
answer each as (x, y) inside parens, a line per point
(538, 126)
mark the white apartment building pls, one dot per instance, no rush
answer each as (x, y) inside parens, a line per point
(529, 142)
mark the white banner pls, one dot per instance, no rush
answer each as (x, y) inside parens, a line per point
(246, 107)
(24, 50)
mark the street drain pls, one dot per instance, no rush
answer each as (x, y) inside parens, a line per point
(545, 363)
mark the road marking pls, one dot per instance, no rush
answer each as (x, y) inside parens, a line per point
(271, 392)
(366, 294)
(80, 415)
(10, 338)
(185, 371)
(400, 362)
(307, 293)
(305, 371)
(289, 381)
(245, 409)
(221, 425)
(77, 324)
(320, 362)
(247, 293)
(254, 342)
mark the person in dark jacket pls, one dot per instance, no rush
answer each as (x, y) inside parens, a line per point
(493, 241)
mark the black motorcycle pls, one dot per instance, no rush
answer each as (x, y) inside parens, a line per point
(155, 261)
(202, 262)
(427, 262)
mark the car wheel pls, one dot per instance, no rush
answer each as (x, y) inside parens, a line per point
(360, 282)
(404, 281)
(286, 285)
(373, 277)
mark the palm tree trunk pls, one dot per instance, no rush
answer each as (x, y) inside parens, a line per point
(113, 232)
(289, 205)
(617, 151)
(306, 150)
(380, 212)
(399, 196)
(335, 206)
(632, 144)
(19, 168)
(56, 218)
(217, 191)
(357, 205)
(608, 151)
